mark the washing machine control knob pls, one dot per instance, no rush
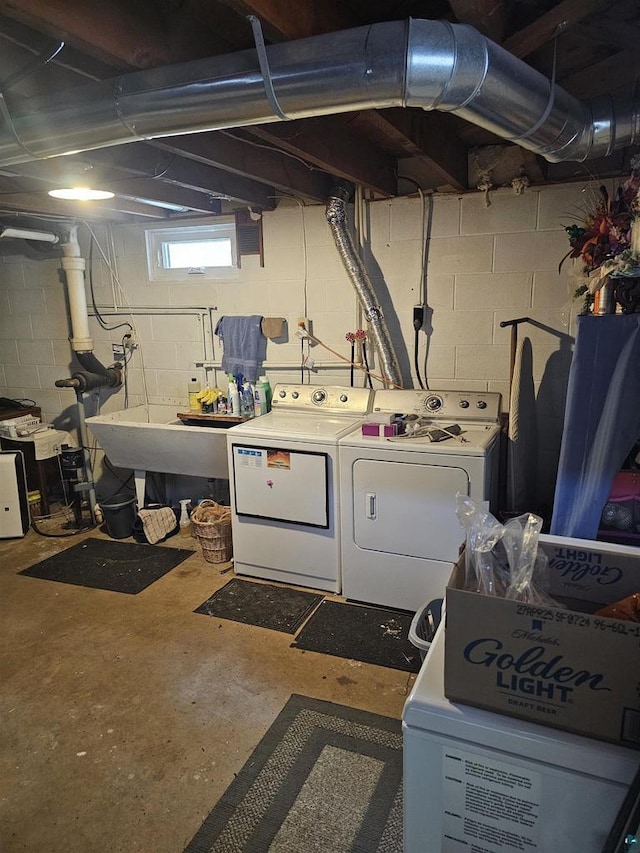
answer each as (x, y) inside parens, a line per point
(319, 396)
(481, 404)
(295, 395)
(433, 403)
(464, 404)
(282, 394)
(343, 398)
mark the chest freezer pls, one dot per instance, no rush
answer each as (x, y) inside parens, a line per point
(479, 781)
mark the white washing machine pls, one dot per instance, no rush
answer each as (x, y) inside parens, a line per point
(283, 477)
(400, 532)
(479, 781)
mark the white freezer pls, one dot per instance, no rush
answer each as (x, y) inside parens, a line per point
(479, 781)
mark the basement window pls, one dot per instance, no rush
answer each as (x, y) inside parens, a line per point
(193, 252)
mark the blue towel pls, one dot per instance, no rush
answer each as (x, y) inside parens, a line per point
(244, 345)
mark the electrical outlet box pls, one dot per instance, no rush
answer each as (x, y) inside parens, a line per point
(117, 350)
(130, 341)
(305, 323)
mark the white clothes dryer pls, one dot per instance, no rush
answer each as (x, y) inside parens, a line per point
(283, 478)
(400, 532)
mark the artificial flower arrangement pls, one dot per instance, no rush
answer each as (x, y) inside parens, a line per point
(606, 242)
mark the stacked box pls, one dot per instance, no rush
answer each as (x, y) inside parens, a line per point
(563, 667)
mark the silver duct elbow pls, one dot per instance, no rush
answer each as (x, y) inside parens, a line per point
(425, 64)
(336, 215)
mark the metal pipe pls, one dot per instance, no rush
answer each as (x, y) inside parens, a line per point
(84, 442)
(416, 63)
(336, 214)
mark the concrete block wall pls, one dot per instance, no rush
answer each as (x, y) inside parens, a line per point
(484, 265)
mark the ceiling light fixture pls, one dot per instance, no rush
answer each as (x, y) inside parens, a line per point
(80, 194)
(28, 234)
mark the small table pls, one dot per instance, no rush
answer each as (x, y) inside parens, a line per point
(37, 449)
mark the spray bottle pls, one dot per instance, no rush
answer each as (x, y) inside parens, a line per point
(185, 523)
(246, 401)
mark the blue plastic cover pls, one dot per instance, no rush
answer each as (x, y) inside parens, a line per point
(601, 423)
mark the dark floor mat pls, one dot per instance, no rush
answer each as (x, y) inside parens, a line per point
(104, 564)
(367, 634)
(261, 604)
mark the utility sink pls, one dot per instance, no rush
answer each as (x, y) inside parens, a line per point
(150, 438)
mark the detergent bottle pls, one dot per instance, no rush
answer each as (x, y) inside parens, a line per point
(193, 389)
(261, 396)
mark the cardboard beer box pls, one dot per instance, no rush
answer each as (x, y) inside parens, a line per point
(562, 667)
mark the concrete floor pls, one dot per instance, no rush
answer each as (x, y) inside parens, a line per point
(125, 717)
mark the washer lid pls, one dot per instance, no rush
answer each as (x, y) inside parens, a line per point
(427, 709)
(283, 425)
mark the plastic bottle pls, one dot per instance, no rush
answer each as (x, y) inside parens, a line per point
(185, 523)
(193, 387)
(234, 396)
(246, 401)
(260, 396)
(264, 382)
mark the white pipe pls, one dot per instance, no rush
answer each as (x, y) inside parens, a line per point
(74, 266)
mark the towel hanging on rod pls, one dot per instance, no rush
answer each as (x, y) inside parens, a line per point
(244, 345)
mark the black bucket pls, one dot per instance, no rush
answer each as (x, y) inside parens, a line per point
(119, 514)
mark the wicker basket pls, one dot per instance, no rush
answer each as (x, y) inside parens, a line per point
(211, 523)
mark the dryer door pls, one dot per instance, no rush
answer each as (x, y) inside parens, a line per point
(409, 509)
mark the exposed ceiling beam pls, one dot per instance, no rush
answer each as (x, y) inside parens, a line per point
(603, 78)
(39, 202)
(552, 23)
(157, 190)
(42, 175)
(420, 135)
(293, 20)
(333, 146)
(76, 19)
(139, 158)
(610, 33)
(140, 34)
(235, 154)
(487, 16)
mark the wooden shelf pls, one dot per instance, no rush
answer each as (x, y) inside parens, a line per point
(202, 419)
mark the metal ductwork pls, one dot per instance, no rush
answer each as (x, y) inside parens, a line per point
(336, 214)
(417, 63)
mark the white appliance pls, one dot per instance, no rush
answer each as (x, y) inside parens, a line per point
(283, 477)
(400, 532)
(475, 780)
(14, 503)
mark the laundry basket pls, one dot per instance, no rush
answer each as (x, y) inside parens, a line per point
(424, 624)
(211, 524)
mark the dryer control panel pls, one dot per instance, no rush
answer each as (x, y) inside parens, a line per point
(441, 405)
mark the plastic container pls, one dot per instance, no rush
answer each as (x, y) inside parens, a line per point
(234, 396)
(424, 624)
(193, 387)
(119, 514)
(247, 408)
(266, 387)
(185, 523)
(261, 395)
